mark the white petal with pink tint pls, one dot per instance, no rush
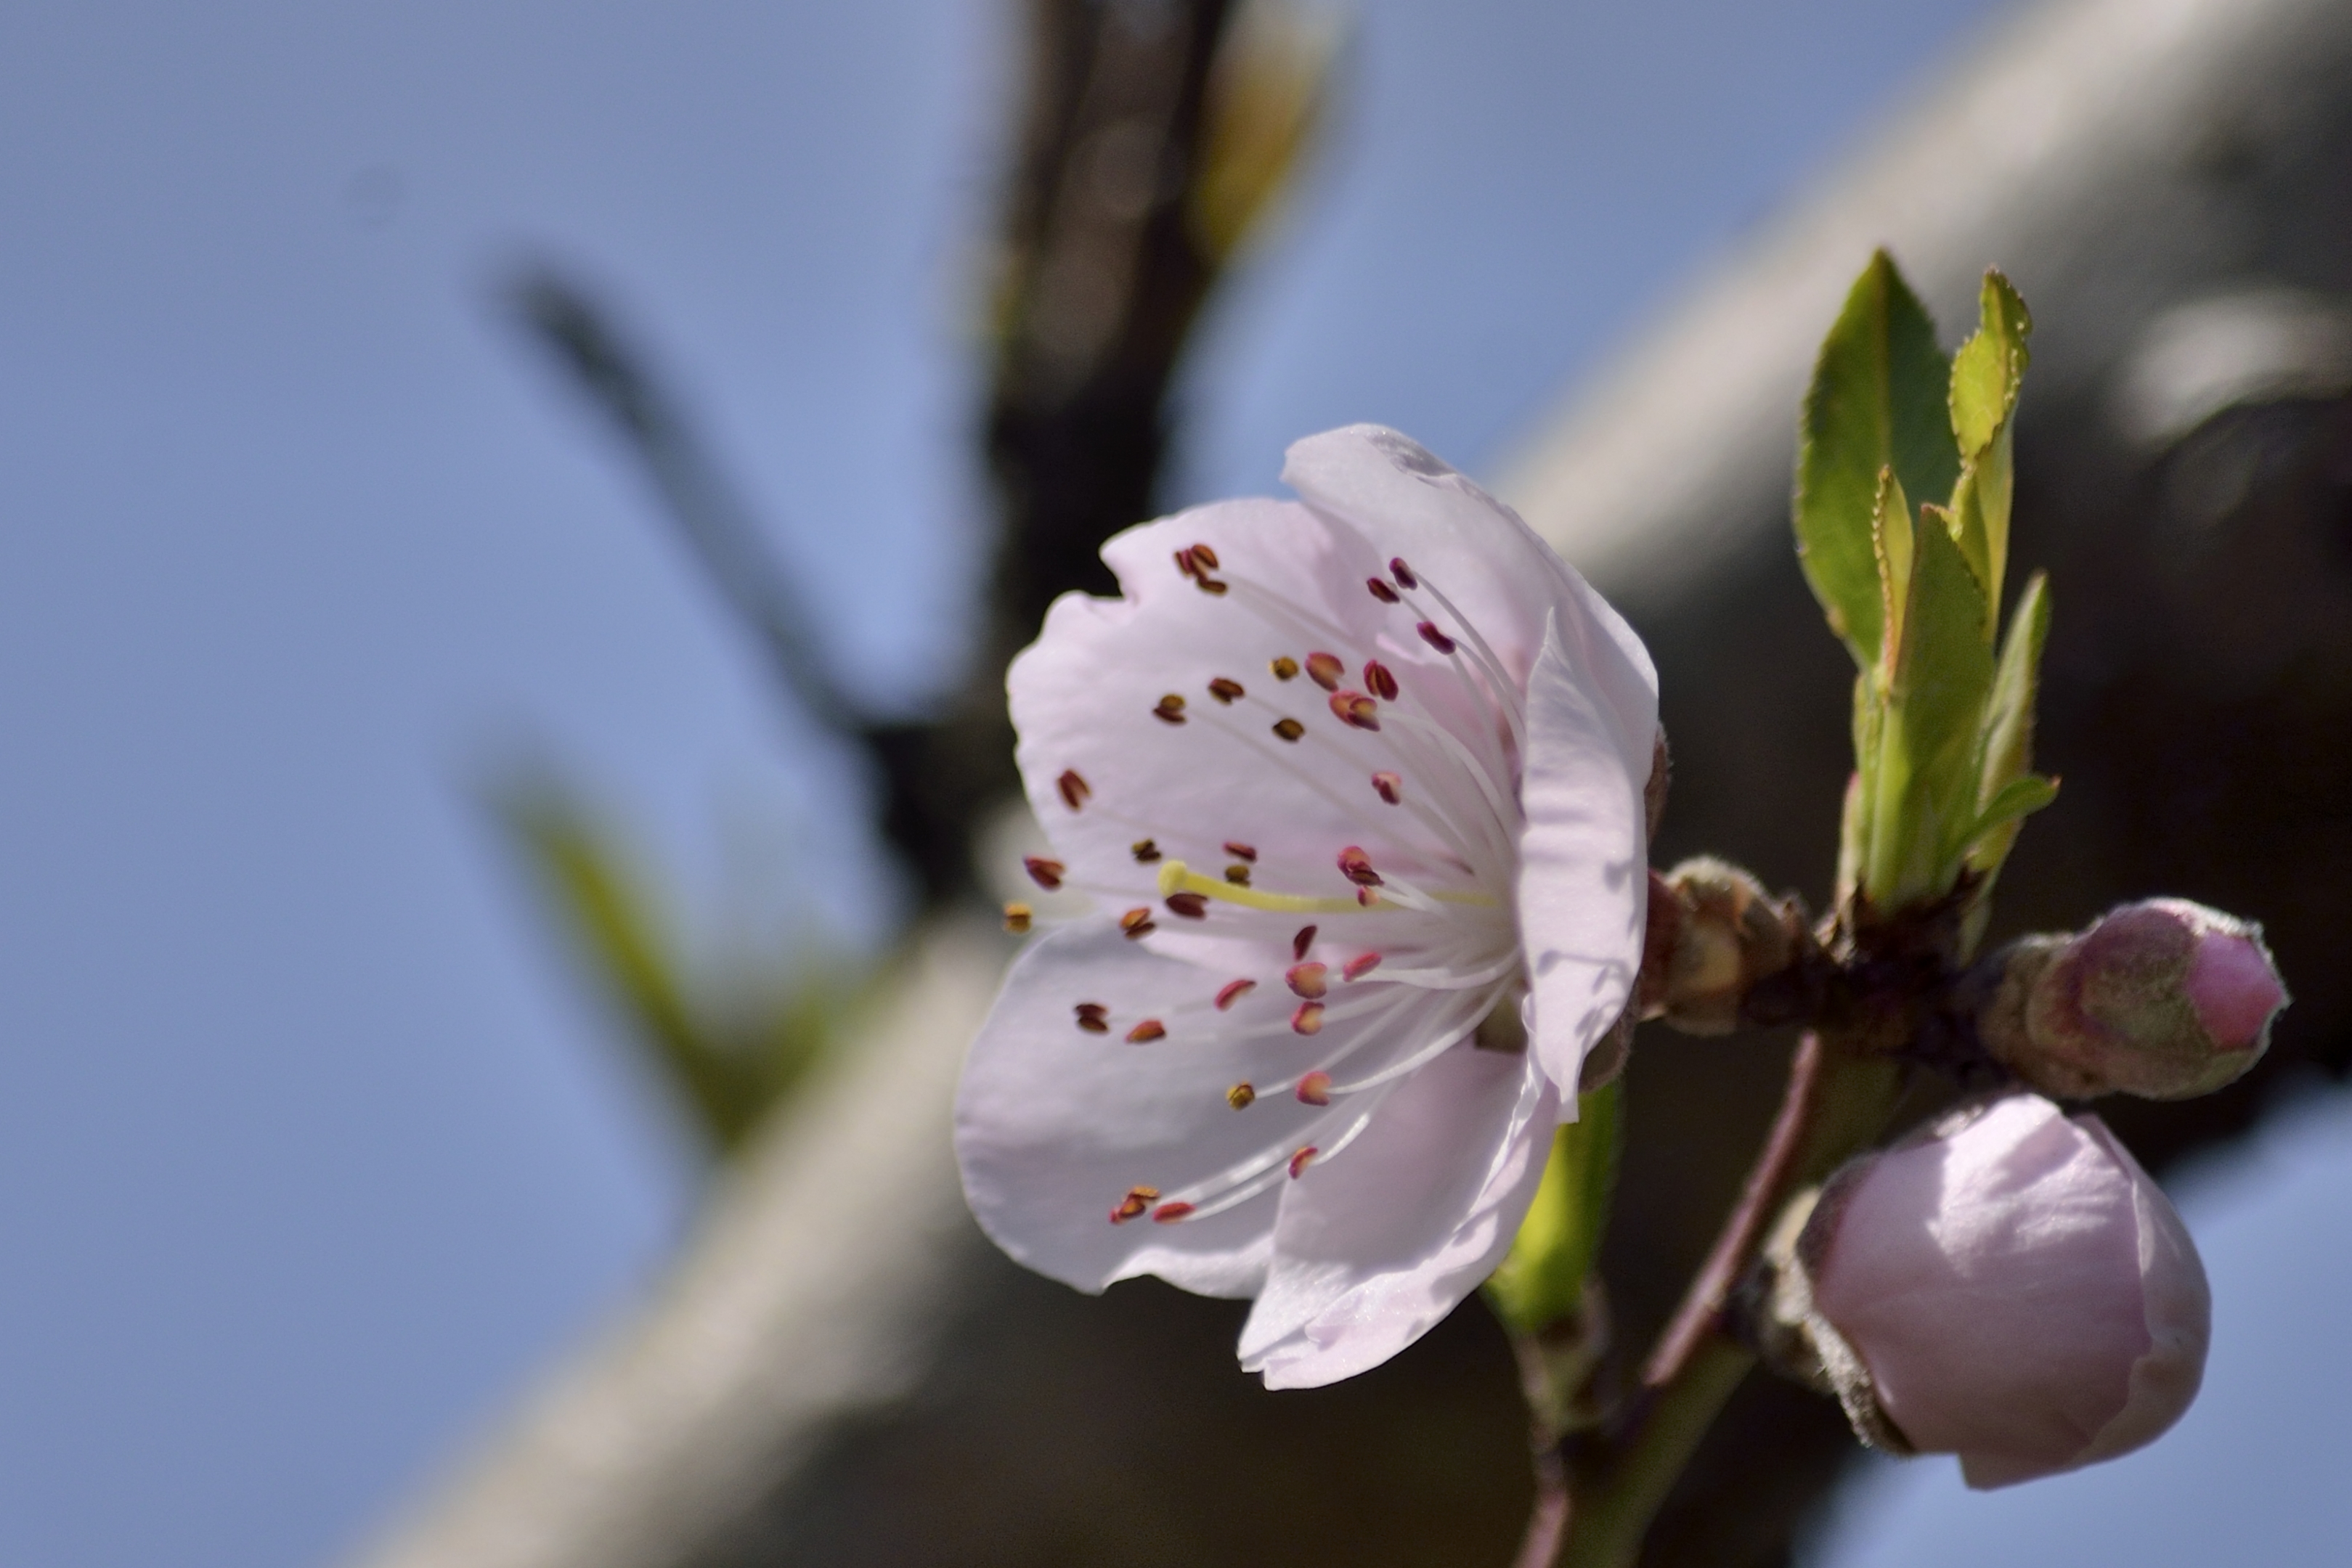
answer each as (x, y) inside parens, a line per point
(1373, 1250)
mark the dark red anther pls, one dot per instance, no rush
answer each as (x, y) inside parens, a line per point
(1233, 992)
(1309, 980)
(1145, 851)
(1315, 1089)
(1191, 905)
(1170, 1213)
(1379, 681)
(1359, 965)
(1072, 787)
(1205, 557)
(1241, 851)
(1146, 1031)
(1225, 691)
(1355, 710)
(1388, 787)
(1381, 591)
(1325, 670)
(1138, 1200)
(1169, 709)
(1434, 638)
(1302, 1159)
(1308, 1020)
(1289, 728)
(1137, 924)
(1357, 867)
(1402, 573)
(1046, 873)
(1185, 564)
(1092, 1018)
(1303, 941)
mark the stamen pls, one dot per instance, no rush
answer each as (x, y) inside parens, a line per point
(1388, 787)
(1146, 1031)
(1359, 965)
(1137, 924)
(1381, 591)
(1145, 851)
(1434, 638)
(1303, 941)
(1017, 917)
(1073, 786)
(1285, 668)
(1226, 691)
(1132, 1207)
(1185, 563)
(1208, 584)
(1241, 851)
(1046, 873)
(1299, 1161)
(1171, 709)
(1308, 1020)
(1381, 683)
(1308, 980)
(1170, 1213)
(1233, 992)
(1356, 709)
(1241, 1096)
(1402, 573)
(1325, 670)
(1357, 867)
(1315, 1089)
(1191, 905)
(1205, 557)
(1238, 874)
(1092, 1019)
(1289, 728)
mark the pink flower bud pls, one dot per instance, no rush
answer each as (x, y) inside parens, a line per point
(2018, 1291)
(2163, 998)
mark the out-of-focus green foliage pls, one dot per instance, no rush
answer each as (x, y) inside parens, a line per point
(1542, 1281)
(1267, 94)
(732, 1054)
(1943, 734)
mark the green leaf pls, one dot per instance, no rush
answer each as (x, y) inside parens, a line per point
(1877, 402)
(2009, 721)
(1929, 745)
(2018, 798)
(1861, 786)
(729, 1064)
(1542, 1280)
(1988, 368)
(1986, 375)
(1891, 551)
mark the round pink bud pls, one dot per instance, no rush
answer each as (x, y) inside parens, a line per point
(2019, 1291)
(2163, 998)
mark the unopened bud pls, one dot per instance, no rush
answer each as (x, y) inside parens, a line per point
(2010, 1288)
(2164, 999)
(1730, 935)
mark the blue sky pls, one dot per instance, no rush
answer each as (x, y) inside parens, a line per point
(313, 1147)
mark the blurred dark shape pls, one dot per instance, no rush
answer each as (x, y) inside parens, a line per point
(2198, 694)
(731, 1057)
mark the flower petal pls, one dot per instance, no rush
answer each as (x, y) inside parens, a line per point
(1054, 1124)
(1374, 1249)
(1490, 564)
(1583, 892)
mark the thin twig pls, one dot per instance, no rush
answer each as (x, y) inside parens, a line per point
(1701, 1312)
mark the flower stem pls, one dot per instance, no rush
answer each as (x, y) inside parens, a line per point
(1839, 1098)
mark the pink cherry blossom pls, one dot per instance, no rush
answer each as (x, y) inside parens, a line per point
(1343, 776)
(2022, 1294)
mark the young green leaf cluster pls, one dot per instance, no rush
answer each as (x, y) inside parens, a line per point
(1943, 728)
